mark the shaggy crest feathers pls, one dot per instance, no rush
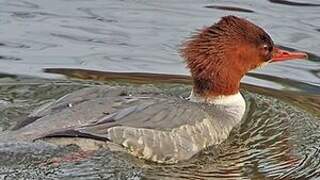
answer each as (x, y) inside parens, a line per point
(216, 55)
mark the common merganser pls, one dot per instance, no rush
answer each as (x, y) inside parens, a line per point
(162, 128)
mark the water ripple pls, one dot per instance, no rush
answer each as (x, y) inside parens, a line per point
(229, 8)
(292, 3)
(10, 58)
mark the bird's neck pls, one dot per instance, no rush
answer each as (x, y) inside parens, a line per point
(233, 105)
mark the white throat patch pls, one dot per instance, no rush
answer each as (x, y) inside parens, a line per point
(233, 103)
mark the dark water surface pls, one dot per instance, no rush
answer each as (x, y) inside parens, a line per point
(44, 43)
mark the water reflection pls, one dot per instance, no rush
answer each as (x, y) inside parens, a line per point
(131, 77)
(285, 84)
(229, 8)
(9, 58)
(302, 94)
(293, 3)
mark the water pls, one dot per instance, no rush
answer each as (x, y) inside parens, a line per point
(41, 40)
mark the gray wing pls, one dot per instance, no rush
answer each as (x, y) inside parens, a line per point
(99, 108)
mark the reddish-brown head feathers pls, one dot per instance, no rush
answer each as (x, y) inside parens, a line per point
(220, 55)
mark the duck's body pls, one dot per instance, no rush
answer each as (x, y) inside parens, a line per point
(150, 125)
(162, 128)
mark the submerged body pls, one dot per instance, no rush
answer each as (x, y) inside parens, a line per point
(151, 126)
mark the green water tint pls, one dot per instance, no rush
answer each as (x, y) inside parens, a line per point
(278, 139)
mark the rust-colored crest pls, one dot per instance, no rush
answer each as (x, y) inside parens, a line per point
(219, 56)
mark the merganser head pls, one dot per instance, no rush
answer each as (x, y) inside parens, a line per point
(220, 55)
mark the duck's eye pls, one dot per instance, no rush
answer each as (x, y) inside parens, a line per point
(267, 49)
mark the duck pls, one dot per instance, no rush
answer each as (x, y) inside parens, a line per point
(155, 126)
